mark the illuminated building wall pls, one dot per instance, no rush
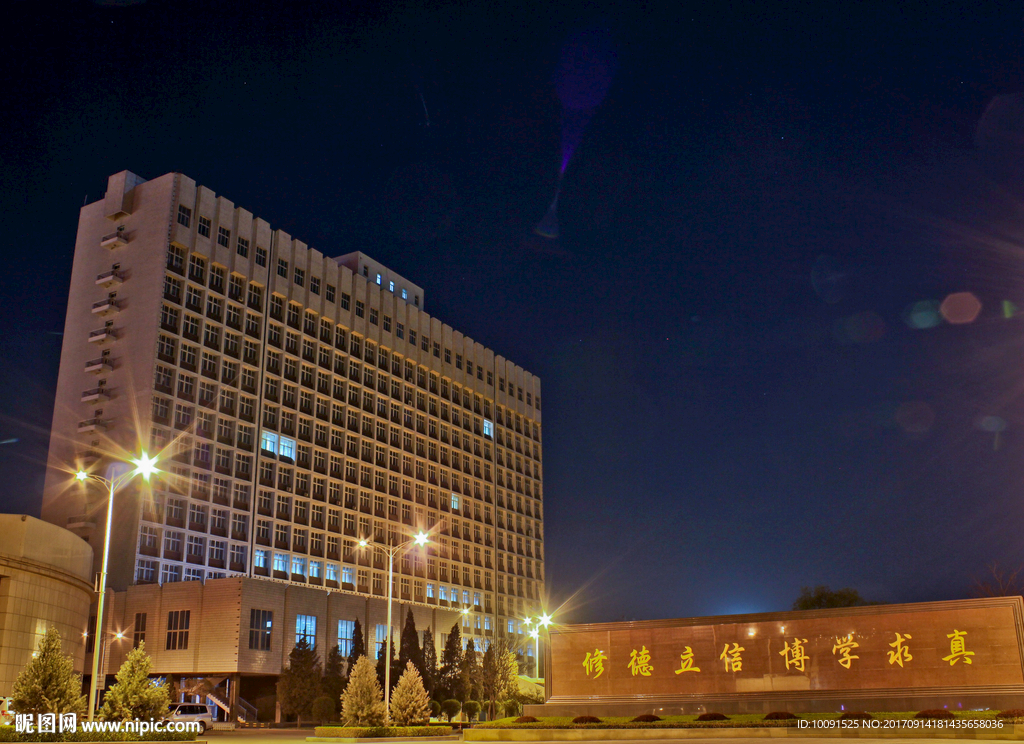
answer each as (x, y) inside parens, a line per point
(301, 402)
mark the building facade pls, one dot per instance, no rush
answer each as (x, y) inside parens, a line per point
(299, 403)
(45, 580)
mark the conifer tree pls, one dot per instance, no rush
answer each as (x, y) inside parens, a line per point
(409, 646)
(449, 680)
(334, 675)
(395, 669)
(48, 683)
(429, 662)
(134, 695)
(358, 648)
(363, 701)
(469, 673)
(299, 683)
(410, 705)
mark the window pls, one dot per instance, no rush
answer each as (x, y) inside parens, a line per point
(139, 629)
(360, 309)
(170, 573)
(373, 316)
(314, 285)
(280, 562)
(223, 236)
(329, 293)
(345, 300)
(184, 218)
(382, 634)
(455, 502)
(243, 248)
(378, 279)
(261, 622)
(177, 630)
(488, 429)
(286, 448)
(282, 268)
(300, 277)
(305, 629)
(405, 294)
(259, 557)
(268, 441)
(261, 256)
(346, 629)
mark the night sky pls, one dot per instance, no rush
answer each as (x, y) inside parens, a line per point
(749, 384)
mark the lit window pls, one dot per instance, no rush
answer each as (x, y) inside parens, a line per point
(346, 629)
(378, 279)
(305, 629)
(268, 441)
(455, 501)
(405, 295)
(488, 428)
(392, 286)
(287, 448)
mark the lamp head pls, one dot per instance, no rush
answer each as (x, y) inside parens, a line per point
(145, 465)
(534, 633)
(363, 543)
(81, 475)
(545, 620)
(119, 636)
(464, 610)
(421, 538)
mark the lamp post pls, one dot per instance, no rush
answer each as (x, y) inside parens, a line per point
(144, 466)
(391, 551)
(543, 621)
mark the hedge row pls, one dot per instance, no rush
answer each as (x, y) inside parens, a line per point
(379, 732)
(9, 734)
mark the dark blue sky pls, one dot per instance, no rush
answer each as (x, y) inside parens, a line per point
(719, 429)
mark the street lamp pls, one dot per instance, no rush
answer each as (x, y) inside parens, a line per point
(144, 466)
(419, 539)
(541, 622)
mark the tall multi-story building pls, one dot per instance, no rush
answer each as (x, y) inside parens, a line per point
(299, 402)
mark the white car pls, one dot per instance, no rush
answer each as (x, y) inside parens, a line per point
(191, 712)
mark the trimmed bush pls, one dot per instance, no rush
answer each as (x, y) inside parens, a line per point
(586, 719)
(856, 715)
(471, 708)
(780, 715)
(935, 713)
(646, 718)
(323, 709)
(712, 717)
(1012, 713)
(380, 732)
(435, 708)
(525, 719)
(451, 708)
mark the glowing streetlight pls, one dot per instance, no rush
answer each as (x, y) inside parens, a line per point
(543, 621)
(144, 466)
(419, 539)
